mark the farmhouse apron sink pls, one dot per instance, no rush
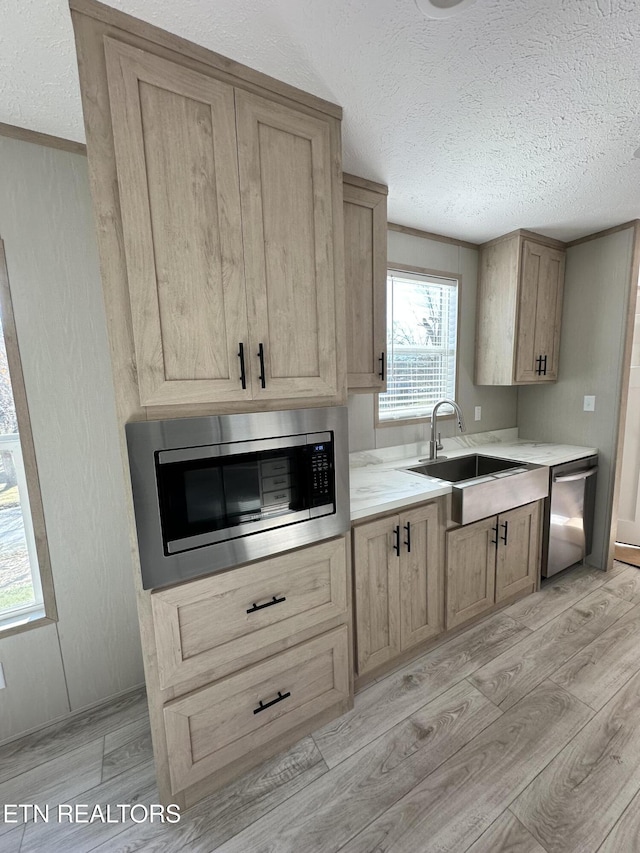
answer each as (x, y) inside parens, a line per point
(483, 486)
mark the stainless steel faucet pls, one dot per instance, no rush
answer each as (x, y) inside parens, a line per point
(434, 444)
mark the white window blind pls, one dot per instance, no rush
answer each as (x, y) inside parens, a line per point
(422, 330)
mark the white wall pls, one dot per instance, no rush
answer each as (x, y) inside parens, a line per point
(94, 650)
(591, 352)
(498, 404)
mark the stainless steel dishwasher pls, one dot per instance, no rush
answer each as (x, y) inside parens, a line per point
(568, 516)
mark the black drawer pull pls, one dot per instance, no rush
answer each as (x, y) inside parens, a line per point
(262, 379)
(274, 600)
(264, 705)
(544, 366)
(396, 536)
(243, 375)
(495, 531)
(382, 361)
(539, 365)
(407, 527)
(506, 531)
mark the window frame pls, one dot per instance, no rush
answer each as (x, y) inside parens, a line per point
(44, 612)
(429, 273)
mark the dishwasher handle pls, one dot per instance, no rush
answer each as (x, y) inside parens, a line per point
(579, 475)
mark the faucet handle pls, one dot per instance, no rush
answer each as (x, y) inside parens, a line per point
(439, 444)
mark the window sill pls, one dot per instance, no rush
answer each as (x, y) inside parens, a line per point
(10, 625)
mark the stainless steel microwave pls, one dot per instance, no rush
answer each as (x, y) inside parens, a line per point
(210, 493)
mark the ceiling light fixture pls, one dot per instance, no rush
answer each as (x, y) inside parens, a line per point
(442, 8)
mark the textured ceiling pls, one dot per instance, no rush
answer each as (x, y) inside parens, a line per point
(514, 114)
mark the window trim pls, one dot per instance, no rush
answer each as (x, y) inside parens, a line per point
(457, 277)
(47, 612)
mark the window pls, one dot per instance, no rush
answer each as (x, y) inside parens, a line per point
(422, 331)
(26, 591)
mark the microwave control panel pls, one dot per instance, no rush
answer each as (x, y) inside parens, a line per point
(322, 473)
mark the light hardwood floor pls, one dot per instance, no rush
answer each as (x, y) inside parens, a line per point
(520, 734)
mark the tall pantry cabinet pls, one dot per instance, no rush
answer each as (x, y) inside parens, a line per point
(218, 202)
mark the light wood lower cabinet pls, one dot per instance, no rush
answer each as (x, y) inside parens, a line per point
(251, 660)
(223, 722)
(376, 568)
(471, 571)
(518, 556)
(420, 598)
(397, 584)
(490, 561)
(209, 627)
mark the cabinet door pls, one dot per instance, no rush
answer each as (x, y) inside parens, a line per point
(365, 261)
(213, 727)
(540, 313)
(286, 196)
(471, 570)
(377, 593)
(175, 143)
(518, 557)
(420, 600)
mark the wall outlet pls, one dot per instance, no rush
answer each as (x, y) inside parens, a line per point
(3, 683)
(478, 413)
(589, 404)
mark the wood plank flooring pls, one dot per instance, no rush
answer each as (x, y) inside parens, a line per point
(520, 734)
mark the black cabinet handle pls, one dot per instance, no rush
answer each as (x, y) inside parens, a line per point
(396, 536)
(243, 375)
(505, 524)
(264, 705)
(539, 365)
(382, 361)
(274, 600)
(544, 366)
(495, 530)
(407, 542)
(261, 357)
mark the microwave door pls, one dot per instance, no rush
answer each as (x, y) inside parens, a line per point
(204, 498)
(242, 492)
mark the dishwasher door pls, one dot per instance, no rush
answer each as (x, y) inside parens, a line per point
(569, 511)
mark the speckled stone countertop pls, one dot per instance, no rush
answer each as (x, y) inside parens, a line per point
(380, 483)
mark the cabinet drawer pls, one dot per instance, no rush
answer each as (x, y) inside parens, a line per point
(212, 727)
(206, 625)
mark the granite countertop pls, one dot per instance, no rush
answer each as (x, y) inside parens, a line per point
(379, 482)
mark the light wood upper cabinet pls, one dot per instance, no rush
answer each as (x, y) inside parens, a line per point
(365, 260)
(519, 310)
(286, 192)
(175, 140)
(492, 560)
(230, 206)
(398, 598)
